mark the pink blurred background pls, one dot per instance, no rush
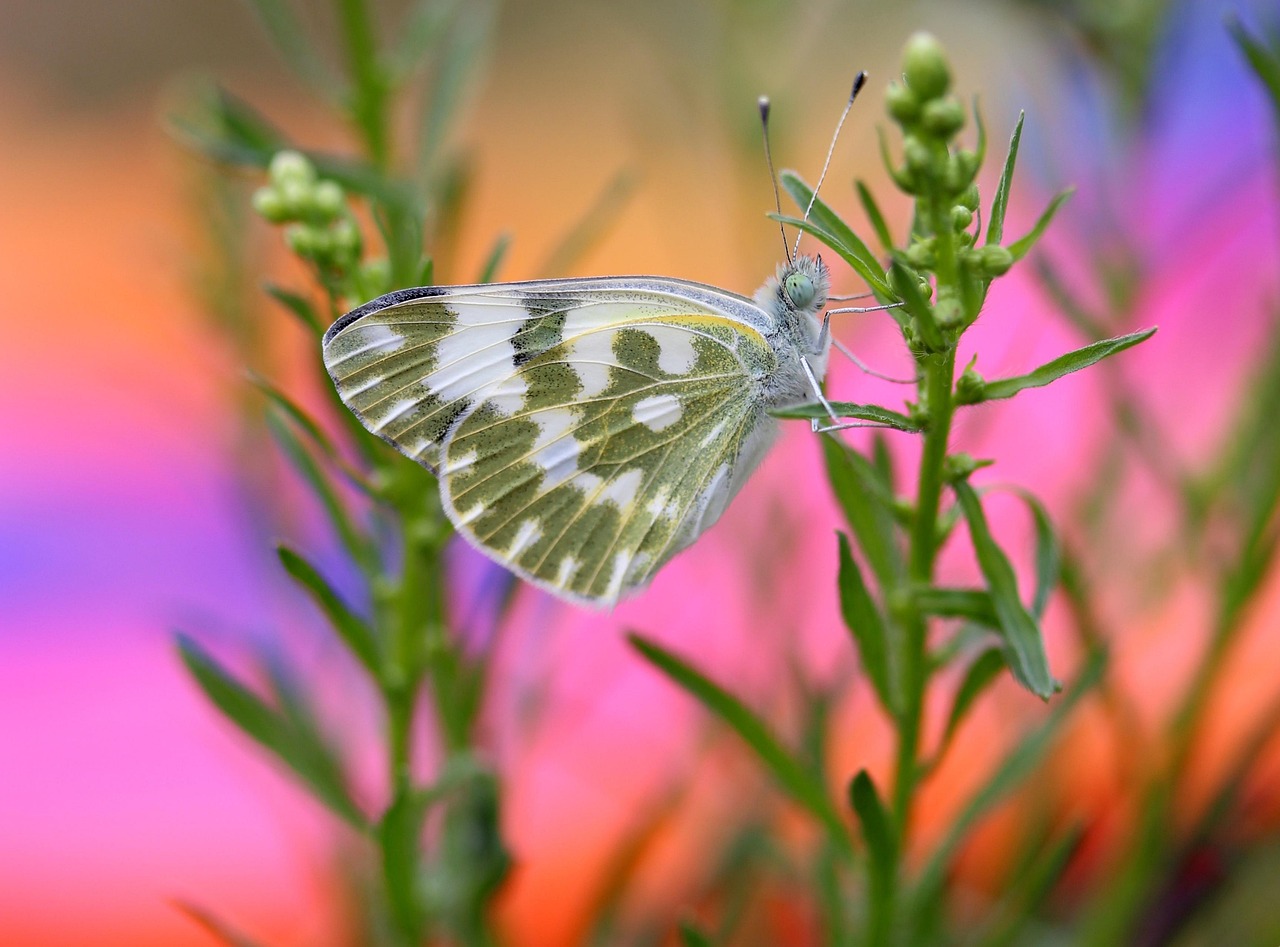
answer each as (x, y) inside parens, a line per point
(126, 512)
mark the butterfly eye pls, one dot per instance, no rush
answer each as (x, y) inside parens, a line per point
(799, 289)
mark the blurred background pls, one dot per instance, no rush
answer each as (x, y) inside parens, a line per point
(135, 499)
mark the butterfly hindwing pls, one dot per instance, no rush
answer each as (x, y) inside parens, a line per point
(584, 430)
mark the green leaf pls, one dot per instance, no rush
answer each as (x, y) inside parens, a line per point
(213, 925)
(882, 853)
(298, 305)
(291, 409)
(424, 28)
(972, 604)
(1048, 553)
(882, 460)
(1029, 888)
(306, 756)
(906, 287)
(295, 48)
(1016, 766)
(352, 629)
(980, 675)
(1000, 203)
(848, 409)
(1264, 62)
(691, 936)
(496, 256)
(1026, 655)
(804, 787)
(826, 225)
(592, 227)
(863, 619)
(1062, 365)
(325, 492)
(874, 216)
(1019, 248)
(868, 509)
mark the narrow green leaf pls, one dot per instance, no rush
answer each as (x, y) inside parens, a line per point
(863, 619)
(424, 28)
(872, 276)
(1011, 771)
(499, 252)
(212, 924)
(882, 460)
(294, 412)
(980, 675)
(352, 629)
(906, 287)
(868, 509)
(266, 726)
(226, 129)
(691, 936)
(297, 305)
(803, 786)
(1000, 203)
(325, 492)
(874, 216)
(1048, 553)
(1030, 888)
(1062, 365)
(295, 47)
(848, 409)
(975, 605)
(826, 218)
(592, 226)
(1019, 248)
(1264, 62)
(882, 852)
(461, 56)
(1027, 658)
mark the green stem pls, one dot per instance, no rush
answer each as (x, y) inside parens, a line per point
(369, 89)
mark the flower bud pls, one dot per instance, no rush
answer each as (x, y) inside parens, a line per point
(328, 199)
(961, 217)
(995, 260)
(924, 65)
(902, 103)
(943, 117)
(294, 196)
(291, 166)
(920, 254)
(969, 197)
(965, 238)
(267, 202)
(961, 169)
(300, 239)
(948, 312)
(346, 236)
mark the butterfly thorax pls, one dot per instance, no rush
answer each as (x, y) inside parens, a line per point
(793, 301)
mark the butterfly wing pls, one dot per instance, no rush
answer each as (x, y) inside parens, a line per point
(584, 431)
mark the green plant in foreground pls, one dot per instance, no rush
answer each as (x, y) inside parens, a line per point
(937, 279)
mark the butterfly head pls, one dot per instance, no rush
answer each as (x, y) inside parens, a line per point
(800, 289)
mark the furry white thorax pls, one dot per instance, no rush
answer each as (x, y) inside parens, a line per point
(796, 331)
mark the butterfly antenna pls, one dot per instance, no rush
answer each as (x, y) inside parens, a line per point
(858, 82)
(763, 104)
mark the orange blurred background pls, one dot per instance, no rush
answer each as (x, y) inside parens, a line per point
(126, 498)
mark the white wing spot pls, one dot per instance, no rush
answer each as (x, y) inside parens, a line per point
(623, 488)
(478, 356)
(713, 433)
(591, 358)
(568, 569)
(657, 412)
(658, 503)
(462, 462)
(620, 563)
(373, 336)
(471, 515)
(403, 406)
(555, 450)
(508, 396)
(528, 534)
(587, 482)
(675, 349)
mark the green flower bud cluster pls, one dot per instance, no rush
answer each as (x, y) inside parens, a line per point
(930, 119)
(318, 223)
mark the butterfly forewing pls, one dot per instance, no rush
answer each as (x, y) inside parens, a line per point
(584, 431)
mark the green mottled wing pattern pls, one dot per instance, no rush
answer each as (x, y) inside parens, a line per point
(584, 431)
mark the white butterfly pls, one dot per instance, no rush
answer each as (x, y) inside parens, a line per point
(584, 431)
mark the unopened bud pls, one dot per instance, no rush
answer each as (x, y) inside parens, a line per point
(924, 65)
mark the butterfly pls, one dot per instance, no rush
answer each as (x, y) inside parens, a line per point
(584, 431)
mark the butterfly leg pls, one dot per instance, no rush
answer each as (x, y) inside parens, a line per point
(847, 353)
(822, 399)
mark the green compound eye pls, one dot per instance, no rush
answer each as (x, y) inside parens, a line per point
(799, 289)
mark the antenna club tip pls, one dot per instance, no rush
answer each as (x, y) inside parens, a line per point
(858, 82)
(762, 104)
